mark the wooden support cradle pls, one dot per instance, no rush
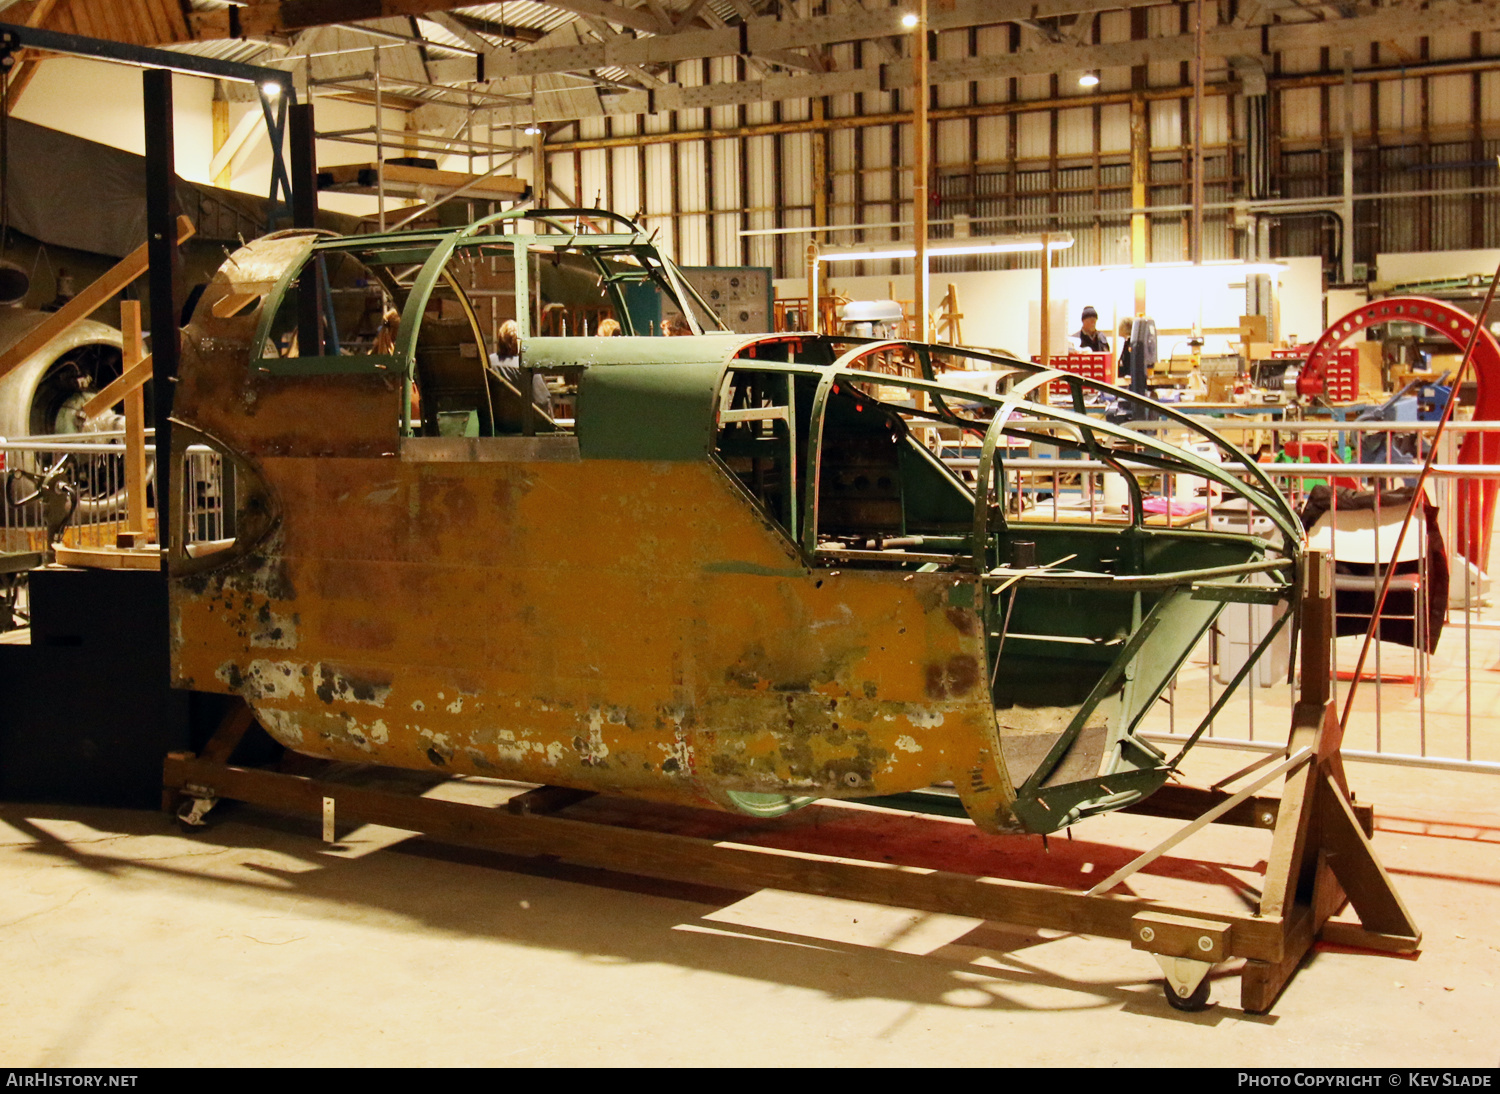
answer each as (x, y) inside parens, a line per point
(1321, 857)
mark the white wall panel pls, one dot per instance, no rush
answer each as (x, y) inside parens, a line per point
(627, 197)
(993, 138)
(1400, 104)
(952, 144)
(876, 185)
(760, 157)
(1075, 131)
(692, 177)
(1034, 87)
(1033, 136)
(1162, 73)
(1448, 99)
(1215, 119)
(1164, 121)
(726, 180)
(1114, 26)
(692, 241)
(592, 176)
(727, 242)
(658, 178)
(560, 171)
(796, 169)
(1114, 128)
(1489, 93)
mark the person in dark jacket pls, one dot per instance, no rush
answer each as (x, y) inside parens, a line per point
(506, 363)
(1088, 337)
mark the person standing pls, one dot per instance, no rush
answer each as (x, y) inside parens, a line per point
(1088, 336)
(1126, 325)
(506, 363)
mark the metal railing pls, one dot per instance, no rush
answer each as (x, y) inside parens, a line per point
(75, 483)
(1422, 699)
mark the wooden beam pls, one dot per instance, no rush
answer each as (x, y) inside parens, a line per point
(404, 180)
(276, 17)
(245, 130)
(135, 416)
(134, 378)
(24, 72)
(85, 303)
(742, 867)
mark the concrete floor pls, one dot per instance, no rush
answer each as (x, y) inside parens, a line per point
(132, 945)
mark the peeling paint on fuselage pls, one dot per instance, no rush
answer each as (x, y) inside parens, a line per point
(653, 676)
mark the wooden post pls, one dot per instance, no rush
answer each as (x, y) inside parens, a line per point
(135, 421)
(1046, 316)
(220, 112)
(1140, 136)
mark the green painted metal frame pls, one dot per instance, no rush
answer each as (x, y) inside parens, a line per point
(433, 250)
(1050, 808)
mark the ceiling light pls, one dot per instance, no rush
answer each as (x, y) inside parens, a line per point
(1089, 79)
(270, 89)
(531, 130)
(909, 20)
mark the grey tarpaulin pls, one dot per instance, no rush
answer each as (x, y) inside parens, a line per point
(70, 192)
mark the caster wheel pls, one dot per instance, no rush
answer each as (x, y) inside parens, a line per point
(191, 815)
(1198, 1000)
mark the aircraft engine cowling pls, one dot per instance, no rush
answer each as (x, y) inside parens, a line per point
(45, 393)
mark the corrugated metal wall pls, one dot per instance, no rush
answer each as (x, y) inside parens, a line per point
(1039, 152)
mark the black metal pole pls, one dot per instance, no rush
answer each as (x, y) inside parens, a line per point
(162, 276)
(304, 167)
(304, 215)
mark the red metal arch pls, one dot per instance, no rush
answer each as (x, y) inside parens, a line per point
(1476, 498)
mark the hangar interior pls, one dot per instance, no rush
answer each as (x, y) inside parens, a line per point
(933, 531)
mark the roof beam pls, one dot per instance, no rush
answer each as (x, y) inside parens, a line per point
(618, 14)
(1371, 24)
(274, 18)
(769, 37)
(496, 30)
